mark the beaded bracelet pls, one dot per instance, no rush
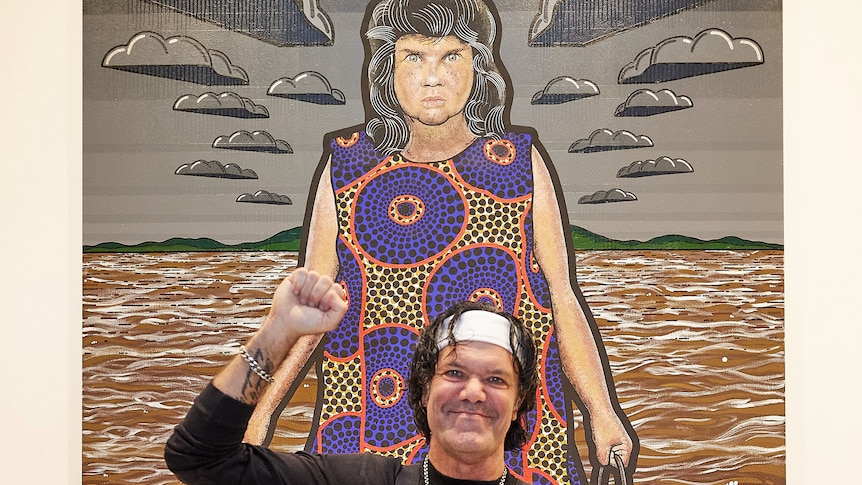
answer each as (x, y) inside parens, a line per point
(254, 366)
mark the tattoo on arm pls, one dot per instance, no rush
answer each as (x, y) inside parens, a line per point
(253, 386)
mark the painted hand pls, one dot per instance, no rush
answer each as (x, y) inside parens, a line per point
(610, 435)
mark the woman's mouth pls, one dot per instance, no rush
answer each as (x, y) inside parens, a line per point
(431, 101)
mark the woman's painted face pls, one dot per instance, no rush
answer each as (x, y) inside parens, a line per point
(433, 77)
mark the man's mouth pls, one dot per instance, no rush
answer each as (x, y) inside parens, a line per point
(470, 412)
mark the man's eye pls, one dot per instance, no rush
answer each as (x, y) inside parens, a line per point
(412, 57)
(453, 57)
(453, 373)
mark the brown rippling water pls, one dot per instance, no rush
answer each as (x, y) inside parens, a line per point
(695, 341)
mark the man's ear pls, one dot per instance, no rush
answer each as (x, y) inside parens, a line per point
(425, 395)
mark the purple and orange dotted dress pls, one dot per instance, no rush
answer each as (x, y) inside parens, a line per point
(413, 239)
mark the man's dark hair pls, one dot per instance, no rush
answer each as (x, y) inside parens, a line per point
(470, 21)
(424, 365)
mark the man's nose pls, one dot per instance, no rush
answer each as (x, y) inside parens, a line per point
(474, 390)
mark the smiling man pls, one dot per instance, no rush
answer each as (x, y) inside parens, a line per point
(470, 386)
(471, 378)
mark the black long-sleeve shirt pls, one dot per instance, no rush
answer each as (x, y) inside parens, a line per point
(207, 449)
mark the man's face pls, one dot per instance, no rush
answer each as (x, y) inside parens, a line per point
(433, 77)
(472, 399)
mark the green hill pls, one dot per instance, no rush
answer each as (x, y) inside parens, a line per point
(289, 241)
(283, 241)
(586, 240)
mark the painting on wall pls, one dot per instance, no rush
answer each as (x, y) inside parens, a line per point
(616, 170)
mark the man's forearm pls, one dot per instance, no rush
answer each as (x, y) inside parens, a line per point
(239, 379)
(305, 303)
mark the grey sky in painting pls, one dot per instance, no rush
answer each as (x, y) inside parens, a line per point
(134, 140)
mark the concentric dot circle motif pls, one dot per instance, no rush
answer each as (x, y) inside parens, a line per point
(499, 151)
(387, 387)
(343, 342)
(508, 181)
(349, 141)
(488, 296)
(406, 209)
(459, 276)
(388, 240)
(352, 158)
(388, 417)
(341, 434)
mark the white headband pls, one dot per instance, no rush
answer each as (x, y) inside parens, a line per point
(479, 326)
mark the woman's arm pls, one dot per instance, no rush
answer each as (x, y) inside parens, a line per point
(320, 256)
(578, 349)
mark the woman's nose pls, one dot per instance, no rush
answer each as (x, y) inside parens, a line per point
(432, 75)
